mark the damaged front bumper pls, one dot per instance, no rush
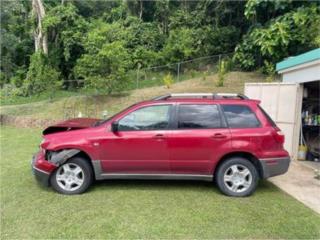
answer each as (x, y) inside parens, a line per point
(41, 169)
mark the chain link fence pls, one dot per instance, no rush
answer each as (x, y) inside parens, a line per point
(97, 104)
(143, 84)
(154, 76)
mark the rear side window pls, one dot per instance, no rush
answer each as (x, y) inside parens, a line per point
(267, 116)
(240, 116)
(200, 116)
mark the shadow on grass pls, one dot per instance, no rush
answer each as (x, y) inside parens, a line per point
(170, 185)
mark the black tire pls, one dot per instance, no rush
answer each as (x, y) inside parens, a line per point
(86, 174)
(239, 162)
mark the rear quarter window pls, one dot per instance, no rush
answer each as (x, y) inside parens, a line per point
(240, 116)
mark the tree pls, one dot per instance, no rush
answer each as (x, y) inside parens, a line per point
(145, 33)
(41, 76)
(65, 29)
(40, 37)
(16, 41)
(106, 69)
(292, 33)
(180, 45)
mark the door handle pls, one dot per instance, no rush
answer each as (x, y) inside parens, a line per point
(159, 136)
(219, 136)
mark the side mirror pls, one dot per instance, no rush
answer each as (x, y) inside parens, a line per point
(114, 126)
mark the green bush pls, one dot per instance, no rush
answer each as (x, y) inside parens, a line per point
(9, 90)
(292, 33)
(221, 74)
(19, 77)
(269, 69)
(105, 70)
(40, 76)
(193, 73)
(168, 80)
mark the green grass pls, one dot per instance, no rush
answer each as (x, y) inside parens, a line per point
(139, 209)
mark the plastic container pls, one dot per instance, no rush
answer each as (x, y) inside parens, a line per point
(302, 153)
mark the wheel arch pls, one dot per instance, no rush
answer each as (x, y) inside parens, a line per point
(247, 155)
(64, 154)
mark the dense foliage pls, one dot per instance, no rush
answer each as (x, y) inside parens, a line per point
(95, 43)
(285, 35)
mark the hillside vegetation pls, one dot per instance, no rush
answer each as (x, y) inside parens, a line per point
(94, 105)
(64, 45)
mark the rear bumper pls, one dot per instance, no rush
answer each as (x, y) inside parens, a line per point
(274, 166)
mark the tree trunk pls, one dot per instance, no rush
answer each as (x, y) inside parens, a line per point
(141, 9)
(40, 38)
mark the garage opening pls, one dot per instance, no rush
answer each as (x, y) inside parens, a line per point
(310, 128)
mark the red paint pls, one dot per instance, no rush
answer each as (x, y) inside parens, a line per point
(192, 151)
(77, 122)
(42, 164)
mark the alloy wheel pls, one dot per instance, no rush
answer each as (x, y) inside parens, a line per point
(237, 178)
(70, 177)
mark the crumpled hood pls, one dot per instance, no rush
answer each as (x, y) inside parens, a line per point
(71, 124)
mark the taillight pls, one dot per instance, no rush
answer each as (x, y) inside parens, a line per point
(279, 136)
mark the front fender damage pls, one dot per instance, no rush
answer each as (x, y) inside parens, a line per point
(59, 158)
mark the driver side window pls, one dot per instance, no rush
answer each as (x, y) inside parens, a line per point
(147, 118)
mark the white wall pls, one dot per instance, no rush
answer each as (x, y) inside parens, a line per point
(306, 72)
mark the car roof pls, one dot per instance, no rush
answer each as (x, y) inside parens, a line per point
(202, 101)
(202, 98)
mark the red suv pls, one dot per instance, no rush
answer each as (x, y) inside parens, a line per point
(225, 137)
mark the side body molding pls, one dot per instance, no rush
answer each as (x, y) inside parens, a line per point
(99, 175)
(60, 157)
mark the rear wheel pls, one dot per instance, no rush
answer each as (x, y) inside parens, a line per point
(73, 177)
(237, 177)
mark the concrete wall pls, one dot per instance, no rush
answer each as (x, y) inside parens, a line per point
(307, 72)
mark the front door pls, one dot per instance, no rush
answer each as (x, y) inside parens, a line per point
(199, 140)
(140, 144)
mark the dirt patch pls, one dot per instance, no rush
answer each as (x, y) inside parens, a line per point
(25, 122)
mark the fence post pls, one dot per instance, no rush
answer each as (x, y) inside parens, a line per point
(137, 80)
(178, 72)
(219, 62)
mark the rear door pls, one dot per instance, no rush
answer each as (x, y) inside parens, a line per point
(246, 130)
(199, 139)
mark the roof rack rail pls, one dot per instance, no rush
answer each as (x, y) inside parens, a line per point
(201, 95)
(230, 95)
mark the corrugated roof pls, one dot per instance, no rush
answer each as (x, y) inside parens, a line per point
(300, 59)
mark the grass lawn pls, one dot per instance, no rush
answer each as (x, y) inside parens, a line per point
(139, 209)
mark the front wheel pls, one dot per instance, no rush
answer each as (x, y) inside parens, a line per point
(237, 177)
(73, 177)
